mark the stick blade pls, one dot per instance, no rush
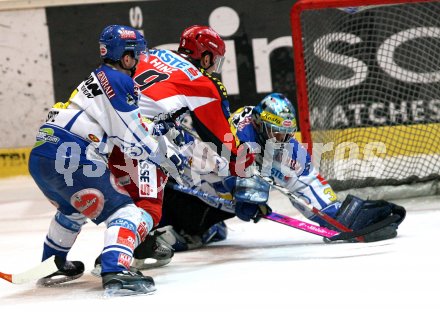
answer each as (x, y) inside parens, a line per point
(45, 268)
(6, 277)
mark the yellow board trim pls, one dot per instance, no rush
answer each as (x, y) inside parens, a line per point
(14, 161)
(404, 140)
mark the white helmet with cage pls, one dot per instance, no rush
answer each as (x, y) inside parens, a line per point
(274, 117)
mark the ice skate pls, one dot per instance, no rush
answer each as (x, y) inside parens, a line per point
(69, 271)
(127, 283)
(180, 241)
(154, 252)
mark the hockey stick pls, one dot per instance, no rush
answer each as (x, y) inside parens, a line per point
(273, 216)
(303, 226)
(227, 205)
(45, 268)
(306, 206)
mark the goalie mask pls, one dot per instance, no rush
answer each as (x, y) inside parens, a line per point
(274, 118)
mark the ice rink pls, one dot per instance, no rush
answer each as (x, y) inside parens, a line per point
(261, 267)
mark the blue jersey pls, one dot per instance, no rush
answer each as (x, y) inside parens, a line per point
(101, 112)
(289, 164)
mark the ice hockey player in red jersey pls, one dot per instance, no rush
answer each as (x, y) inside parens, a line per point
(172, 83)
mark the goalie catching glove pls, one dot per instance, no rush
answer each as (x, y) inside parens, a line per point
(375, 220)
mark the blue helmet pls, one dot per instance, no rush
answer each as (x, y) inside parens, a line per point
(274, 117)
(115, 40)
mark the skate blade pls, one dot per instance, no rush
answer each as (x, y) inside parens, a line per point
(327, 241)
(116, 290)
(57, 279)
(138, 264)
(142, 264)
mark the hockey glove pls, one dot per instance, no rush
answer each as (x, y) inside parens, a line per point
(169, 159)
(252, 190)
(250, 195)
(170, 130)
(248, 211)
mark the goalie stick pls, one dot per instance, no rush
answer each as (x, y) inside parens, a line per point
(273, 216)
(306, 206)
(43, 269)
(346, 233)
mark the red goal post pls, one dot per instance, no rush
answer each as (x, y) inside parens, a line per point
(368, 89)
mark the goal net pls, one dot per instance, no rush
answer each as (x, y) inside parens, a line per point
(368, 89)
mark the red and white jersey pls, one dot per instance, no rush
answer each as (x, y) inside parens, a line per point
(170, 84)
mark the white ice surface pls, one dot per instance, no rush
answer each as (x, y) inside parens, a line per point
(261, 267)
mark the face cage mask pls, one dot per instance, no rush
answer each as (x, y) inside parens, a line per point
(281, 135)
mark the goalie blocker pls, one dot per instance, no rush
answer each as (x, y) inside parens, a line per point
(375, 220)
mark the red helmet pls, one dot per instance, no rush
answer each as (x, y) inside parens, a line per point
(197, 39)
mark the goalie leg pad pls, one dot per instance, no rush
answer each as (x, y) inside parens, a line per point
(358, 214)
(215, 233)
(387, 232)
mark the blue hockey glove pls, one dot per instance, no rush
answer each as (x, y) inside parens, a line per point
(170, 130)
(252, 190)
(169, 159)
(247, 211)
(229, 183)
(250, 195)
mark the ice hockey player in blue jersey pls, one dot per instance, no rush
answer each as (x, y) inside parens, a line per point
(191, 222)
(69, 164)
